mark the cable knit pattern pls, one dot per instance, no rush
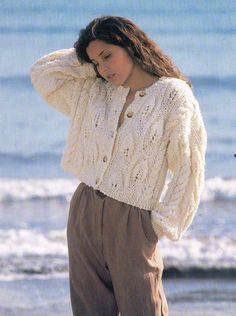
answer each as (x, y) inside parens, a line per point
(162, 130)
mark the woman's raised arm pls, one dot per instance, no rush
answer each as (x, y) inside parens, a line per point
(58, 76)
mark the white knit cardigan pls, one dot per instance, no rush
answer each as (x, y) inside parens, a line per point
(162, 130)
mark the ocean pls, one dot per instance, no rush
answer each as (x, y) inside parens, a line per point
(200, 269)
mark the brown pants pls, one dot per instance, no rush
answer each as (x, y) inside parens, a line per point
(114, 261)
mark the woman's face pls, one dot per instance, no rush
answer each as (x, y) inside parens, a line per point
(112, 62)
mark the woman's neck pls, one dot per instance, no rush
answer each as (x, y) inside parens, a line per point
(139, 80)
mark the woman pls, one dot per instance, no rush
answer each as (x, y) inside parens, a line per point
(133, 117)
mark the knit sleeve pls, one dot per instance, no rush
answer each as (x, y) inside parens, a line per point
(58, 76)
(186, 149)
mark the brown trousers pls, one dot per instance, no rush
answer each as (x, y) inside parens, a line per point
(114, 261)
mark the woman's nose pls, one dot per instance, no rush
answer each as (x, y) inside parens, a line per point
(104, 70)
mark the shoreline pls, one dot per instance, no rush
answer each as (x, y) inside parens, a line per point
(34, 297)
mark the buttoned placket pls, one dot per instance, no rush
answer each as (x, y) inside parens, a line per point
(128, 113)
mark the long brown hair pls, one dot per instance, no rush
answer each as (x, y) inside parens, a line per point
(142, 49)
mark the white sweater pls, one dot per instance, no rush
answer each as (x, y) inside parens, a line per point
(162, 129)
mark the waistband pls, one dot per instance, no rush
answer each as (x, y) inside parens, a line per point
(101, 194)
(98, 192)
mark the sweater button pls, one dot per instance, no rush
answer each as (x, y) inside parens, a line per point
(142, 93)
(130, 114)
(105, 158)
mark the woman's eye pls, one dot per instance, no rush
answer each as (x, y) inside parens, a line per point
(107, 56)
